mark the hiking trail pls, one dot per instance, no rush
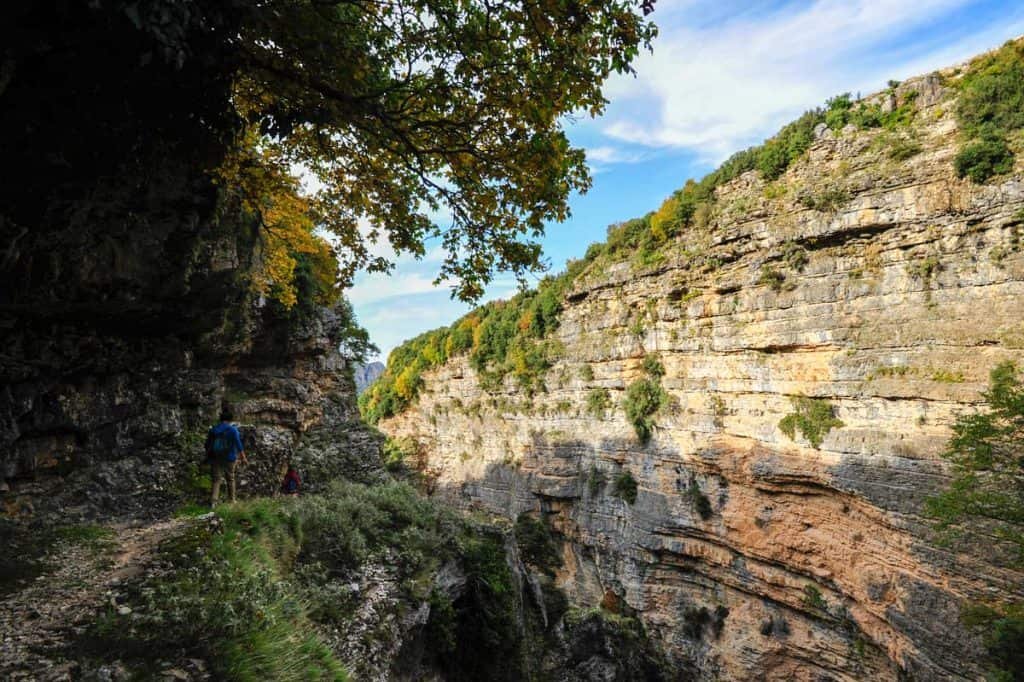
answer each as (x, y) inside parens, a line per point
(40, 621)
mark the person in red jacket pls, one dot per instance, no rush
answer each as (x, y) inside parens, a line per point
(291, 483)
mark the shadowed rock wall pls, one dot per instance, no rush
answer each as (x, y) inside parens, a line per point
(127, 315)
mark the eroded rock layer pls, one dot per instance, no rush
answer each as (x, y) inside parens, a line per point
(886, 287)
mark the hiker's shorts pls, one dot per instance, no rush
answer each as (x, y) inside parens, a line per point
(219, 470)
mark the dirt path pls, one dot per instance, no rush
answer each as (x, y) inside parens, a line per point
(39, 621)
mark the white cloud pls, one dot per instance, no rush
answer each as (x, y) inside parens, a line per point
(608, 155)
(720, 87)
(381, 286)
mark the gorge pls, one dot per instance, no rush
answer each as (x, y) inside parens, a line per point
(805, 345)
(705, 451)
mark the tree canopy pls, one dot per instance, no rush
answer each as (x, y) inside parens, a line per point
(986, 494)
(407, 120)
(406, 109)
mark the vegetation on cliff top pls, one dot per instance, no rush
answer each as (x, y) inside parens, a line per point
(990, 111)
(991, 97)
(503, 338)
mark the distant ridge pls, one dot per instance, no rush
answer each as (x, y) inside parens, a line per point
(366, 374)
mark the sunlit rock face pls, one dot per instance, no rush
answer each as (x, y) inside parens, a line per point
(891, 301)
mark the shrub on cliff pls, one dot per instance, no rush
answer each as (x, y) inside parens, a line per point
(644, 398)
(653, 367)
(987, 452)
(598, 402)
(812, 417)
(990, 111)
(625, 487)
(536, 544)
(981, 160)
(985, 503)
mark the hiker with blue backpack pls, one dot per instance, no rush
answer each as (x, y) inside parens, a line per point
(223, 450)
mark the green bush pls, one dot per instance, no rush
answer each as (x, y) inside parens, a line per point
(653, 367)
(986, 451)
(536, 544)
(813, 598)
(772, 278)
(643, 399)
(397, 452)
(842, 110)
(829, 200)
(1002, 631)
(984, 505)
(901, 148)
(624, 487)
(795, 256)
(598, 402)
(989, 111)
(981, 160)
(700, 501)
(813, 418)
(350, 522)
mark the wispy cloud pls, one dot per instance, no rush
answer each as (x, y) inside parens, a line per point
(608, 154)
(720, 86)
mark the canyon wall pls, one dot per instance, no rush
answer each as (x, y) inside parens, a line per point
(128, 311)
(881, 286)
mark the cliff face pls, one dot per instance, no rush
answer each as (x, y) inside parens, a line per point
(127, 311)
(880, 284)
(105, 410)
(367, 374)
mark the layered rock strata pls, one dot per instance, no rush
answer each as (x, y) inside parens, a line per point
(887, 288)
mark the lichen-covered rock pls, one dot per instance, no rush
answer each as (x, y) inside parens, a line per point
(818, 336)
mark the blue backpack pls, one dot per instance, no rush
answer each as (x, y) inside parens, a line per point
(218, 445)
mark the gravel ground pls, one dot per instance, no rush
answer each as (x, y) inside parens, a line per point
(39, 622)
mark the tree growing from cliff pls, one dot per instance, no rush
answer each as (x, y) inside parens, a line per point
(644, 398)
(987, 453)
(985, 502)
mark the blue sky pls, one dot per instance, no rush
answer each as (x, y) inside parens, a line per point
(723, 75)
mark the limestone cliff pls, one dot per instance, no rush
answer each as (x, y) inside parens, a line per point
(128, 314)
(871, 280)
